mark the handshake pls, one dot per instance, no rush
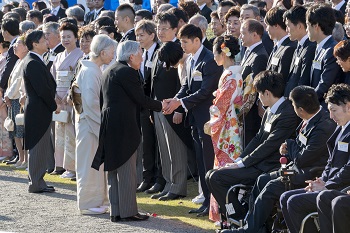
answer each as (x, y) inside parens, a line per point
(169, 105)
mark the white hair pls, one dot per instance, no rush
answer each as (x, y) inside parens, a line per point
(338, 32)
(75, 11)
(25, 25)
(126, 49)
(100, 43)
(199, 21)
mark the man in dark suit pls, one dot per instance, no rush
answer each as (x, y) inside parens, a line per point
(296, 204)
(253, 62)
(299, 73)
(325, 71)
(56, 9)
(262, 153)
(53, 38)
(124, 21)
(204, 9)
(120, 134)
(98, 9)
(195, 96)
(308, 150)
(40, 103)
(282, 54)
(89, 17)
(201, 22)
(339, 5)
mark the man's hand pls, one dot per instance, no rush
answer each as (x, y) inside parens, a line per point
(230, 166)
(172, 105)
(177, 118)
(283, 149)
(315, 185)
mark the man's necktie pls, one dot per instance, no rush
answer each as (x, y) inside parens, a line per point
(303, 126)
(274, 49)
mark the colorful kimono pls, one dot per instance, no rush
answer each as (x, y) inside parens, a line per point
(225, 127)
(63, 71)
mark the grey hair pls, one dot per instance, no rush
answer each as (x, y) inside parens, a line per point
(100, 43)
(126, 49)
(164, 7)
(108, 13)
(251, 7)
(51, 27)
(26, 25)
(199, 21)
(338, 32)
(75, 12)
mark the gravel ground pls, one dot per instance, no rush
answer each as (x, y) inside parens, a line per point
(21, 211)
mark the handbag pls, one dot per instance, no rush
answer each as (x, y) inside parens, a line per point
(19, 119)
(75, 96)
(63, 116)
(8, 123)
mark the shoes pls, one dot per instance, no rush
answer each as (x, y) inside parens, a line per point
(170, 196)
(58, 172)
(12, 160)
(137, 217)
(68, 175)
(74, 179)
(93, 211)
(143, 187)
(115, 218)
(204, 213)
(156, 188)
(157, 196)
(18, 163)
(22, 166)
(197, 211)
(199, 199)
(45, 190)
(6, 159)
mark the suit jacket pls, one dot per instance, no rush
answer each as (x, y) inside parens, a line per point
(343, 8)
(11, 60)
(336, 174)
(147, 78)
(312, 152)
(61, 13)
(197, 95)
(263, 151)
(281, 60)
(208, 44)
(129, 36)
(40, 102)
(325, 71)
(267, 42)
(120, 134)
(299, 73)
(206, 11)
(90, 16)
(48, 62)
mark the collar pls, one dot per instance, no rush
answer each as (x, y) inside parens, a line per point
(274, 107)
(151, 50)
(53, 49)
(98, 10)
(57, 8)
(196, 55)
(13, 41)
(128, 31)
(339, 5)
(173, 40)
(281, 41)
(307, 122)
(254, 45)
(344, 127)
(41, 57)
(204, 39)
(202, 6)
(302, 41)
(320, 45)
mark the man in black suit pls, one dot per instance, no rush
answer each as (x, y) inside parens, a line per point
(204, 9)
(36, 17)
(89, 17)
(339, 5)
(195, 96)
(40, 103)
(296, 204)
(201, 22)
(53, 38)
(308, 150)
(124, 21)
(325, 71)
(262, 153)
(299, 73)
(253, 62)
(98, 8)
(57, 10)
(282, 54)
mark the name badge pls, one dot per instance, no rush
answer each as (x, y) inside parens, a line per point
(302, 139)
(316, 65)
(297, 60)
(62, 73)
(274, 61)
(197, 78)
(343, 146)
(267, 127)
(148, 64)
(52, 58)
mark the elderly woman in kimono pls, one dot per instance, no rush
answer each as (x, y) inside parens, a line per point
(63, 71)
(91, 184)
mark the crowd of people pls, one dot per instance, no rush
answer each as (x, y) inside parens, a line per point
(133, 100)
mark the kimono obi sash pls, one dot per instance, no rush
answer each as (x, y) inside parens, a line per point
(64, 78)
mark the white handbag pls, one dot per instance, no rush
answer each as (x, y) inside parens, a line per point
(19, 119)
(8, 123)
(63, 116)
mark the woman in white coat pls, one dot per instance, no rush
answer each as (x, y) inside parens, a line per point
(91, 184)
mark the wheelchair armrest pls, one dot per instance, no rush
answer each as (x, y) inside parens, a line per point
(345, 189)
(313, 214)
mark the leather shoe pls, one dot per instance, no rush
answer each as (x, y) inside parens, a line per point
(170, 196)
(137, 217)
(204, 213)
(143, 187)
(156, 196)
(197, 211)
(115, 218)
(45, 190)
(58, 172)
(156, 188)
(12, 161)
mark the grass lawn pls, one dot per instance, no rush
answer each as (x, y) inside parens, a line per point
(176, 210)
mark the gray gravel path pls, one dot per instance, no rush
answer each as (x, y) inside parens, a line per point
(21, 211)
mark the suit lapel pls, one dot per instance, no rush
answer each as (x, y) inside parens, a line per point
(199, 60)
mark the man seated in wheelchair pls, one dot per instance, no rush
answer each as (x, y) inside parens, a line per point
(307, 151)
(297, 204)
(262, 153)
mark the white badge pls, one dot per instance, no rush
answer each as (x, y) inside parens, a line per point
(343, 146)
(302, 139)
(148, 64)
(229, 208)
(297, 60)
(197, 78)
(316, 65)
(274, 61)
(62, 73)
(52, 58)
(267, 127)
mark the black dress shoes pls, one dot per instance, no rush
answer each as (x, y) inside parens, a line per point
(115, 218)
(58, 172)
(197, 211)
(12, 160)
(143, 187)
(157, 196)
(137, 217)
(170, 196)
(204, 213)
(156, 188)
(44, 190)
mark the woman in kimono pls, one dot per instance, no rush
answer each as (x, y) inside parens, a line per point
(224, 125)
(63, 72)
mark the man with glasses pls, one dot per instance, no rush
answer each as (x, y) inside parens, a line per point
(89, 17)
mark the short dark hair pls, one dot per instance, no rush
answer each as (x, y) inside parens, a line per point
(229, 42)
(167, 17)
(9, 6)
(144, 14)
(129, 8)
(170, 53)
(305, 97)
(271, 81)
(86, 31)
(21, 11)
(338, 94)
(322, 15)
(147, 26)
(342, 50)
(296, 14)
(214, 14)
(227, 3)
(254, 25)
(64, 4)
(13, 15)
(191, 32)
(104, 21)
(191, 8)
(109, 30)
(68, 20)
(11, 26)
(232, 12)
(41, 5)
(275, 17)
(33, 37)
(180, 14)
(69, 27)
(339, 16)
(35, 14)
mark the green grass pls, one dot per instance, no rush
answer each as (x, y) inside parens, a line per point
(176, 210)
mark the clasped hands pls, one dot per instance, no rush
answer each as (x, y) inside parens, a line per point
(315, 185)
(169, 106)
